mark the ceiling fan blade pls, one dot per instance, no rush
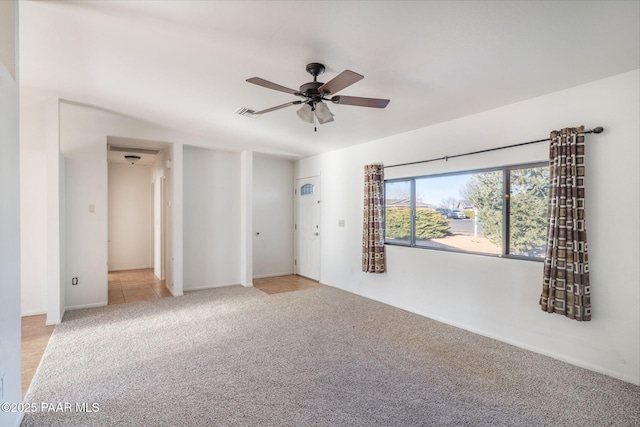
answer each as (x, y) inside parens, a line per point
(341, 81)
(265, 83)
(268, 110)
(360, 102)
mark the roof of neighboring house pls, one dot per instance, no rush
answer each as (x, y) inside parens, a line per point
(405, 203)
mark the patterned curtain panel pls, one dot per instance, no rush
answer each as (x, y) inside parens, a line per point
(373, 224)
(565, 288)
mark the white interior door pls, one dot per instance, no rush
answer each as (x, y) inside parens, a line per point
(307, 227)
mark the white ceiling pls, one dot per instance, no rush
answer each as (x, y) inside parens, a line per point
(183, 64)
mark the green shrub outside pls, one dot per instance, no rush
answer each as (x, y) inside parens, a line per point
(429, 224)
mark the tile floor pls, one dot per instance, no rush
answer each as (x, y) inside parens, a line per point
(135, 285)
(35, 337)
(276, 285)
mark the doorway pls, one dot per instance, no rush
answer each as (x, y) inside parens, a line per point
(136, 223)
(130, 217)
(307, 240)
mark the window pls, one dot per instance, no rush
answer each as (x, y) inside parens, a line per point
(398, 210)
(496, 212)
(306, 190)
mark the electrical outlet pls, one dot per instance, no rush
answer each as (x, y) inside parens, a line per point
(74, 281)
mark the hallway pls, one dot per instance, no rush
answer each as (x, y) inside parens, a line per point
(135, 285)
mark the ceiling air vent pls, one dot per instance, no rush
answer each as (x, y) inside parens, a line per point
(244, 111)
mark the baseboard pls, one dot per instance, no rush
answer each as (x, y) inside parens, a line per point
(56, 321)
(93, 305)
(144, 267)
(175, 294)
(200, 288)
(33, 313)
(263, 276)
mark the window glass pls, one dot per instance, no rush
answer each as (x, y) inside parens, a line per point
(460, 212)
(398, 212)
(306, 189)
(528, 211)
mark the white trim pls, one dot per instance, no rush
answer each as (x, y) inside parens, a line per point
(52, 322)
(174, 293)
(131, 268)
(285, 273)
(34, 313)
(220, 285)
(92, 305)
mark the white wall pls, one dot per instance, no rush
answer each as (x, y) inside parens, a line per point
(272, 216)
(80, 179)
(175, 214)
(246, 218)
(493, 296)
(33, 206)
(211, 218)
(129, 217)
(40, 195)
(86, 185)
(81, 173)
(158, 172)
(9, 221)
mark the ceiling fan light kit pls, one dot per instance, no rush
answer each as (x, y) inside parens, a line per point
(132, 159)
(306, 113)
(315, 92)
(323, 114)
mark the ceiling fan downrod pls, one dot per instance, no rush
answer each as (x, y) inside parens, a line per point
(315, 69)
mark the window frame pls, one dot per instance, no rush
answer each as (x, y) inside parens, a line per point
(506, 211)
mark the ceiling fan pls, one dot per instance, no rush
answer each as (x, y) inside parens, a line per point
(314, 94)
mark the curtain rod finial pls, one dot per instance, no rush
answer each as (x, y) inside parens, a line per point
(599, 129)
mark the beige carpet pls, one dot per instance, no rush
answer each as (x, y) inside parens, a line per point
(320, 357)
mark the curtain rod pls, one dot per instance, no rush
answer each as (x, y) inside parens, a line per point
(598, 129)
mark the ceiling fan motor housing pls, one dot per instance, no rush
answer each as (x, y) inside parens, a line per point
(311, 89)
